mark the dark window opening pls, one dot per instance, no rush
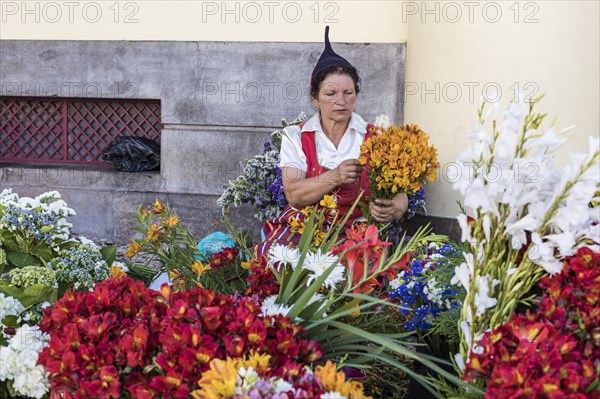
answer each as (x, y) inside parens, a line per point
(71, 131)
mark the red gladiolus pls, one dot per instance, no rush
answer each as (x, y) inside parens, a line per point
(362, 251)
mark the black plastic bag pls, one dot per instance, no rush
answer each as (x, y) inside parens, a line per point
(133, 154)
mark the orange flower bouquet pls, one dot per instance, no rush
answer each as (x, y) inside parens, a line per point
(399, 160)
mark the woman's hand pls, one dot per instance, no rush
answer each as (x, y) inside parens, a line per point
(348, 172)
(389, 210)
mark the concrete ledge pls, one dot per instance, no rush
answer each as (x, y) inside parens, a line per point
(439, 225)
(105, 202)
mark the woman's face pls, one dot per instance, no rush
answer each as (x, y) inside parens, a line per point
(336, 98)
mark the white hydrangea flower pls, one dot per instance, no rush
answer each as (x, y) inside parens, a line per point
(9, 306)
(19, 362)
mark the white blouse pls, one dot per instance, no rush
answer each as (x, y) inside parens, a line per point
(329, 157)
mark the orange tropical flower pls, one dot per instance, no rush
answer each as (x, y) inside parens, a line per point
(399, 160)
(172, 221)
(199, 268)
(158, 207)
(116, 272)
(334, 381)
(133, 249)
(154, 233)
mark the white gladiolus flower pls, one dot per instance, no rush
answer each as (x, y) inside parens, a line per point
(465, 326)
(476, 198)
(486, 224)
(382, 121)
(464, 272)
(460, 362)
(542, 253)
(482, 300)
(517, 229)
(464, 227)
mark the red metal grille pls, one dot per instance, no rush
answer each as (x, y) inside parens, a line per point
(71, 131)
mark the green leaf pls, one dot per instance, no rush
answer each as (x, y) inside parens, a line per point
(20, 259)
(7, 289)
(11, 321)
(35, 294)
(43, 253)
(395, 347)
(109, 254)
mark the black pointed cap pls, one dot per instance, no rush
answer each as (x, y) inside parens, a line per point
(329, 58)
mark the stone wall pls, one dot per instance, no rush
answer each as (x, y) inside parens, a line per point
(219, 102)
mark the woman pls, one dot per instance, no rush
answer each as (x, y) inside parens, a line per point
(320, 157)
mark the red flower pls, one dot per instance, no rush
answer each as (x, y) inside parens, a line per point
(107, 386)
(224, 258)
(551, 354)
(154, 344)
(362, 252)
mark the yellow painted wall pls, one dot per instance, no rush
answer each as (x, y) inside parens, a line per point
(352, 21)
(549, 47)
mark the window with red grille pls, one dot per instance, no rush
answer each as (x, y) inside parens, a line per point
(71, 131)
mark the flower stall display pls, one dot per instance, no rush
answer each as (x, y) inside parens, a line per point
(522, 216)
(324, 288)
(39, 251)
(167, 240)
(167, 344)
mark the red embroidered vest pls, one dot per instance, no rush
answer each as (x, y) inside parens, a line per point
(345, 195)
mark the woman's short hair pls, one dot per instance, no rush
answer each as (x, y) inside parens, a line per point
(317, 80)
